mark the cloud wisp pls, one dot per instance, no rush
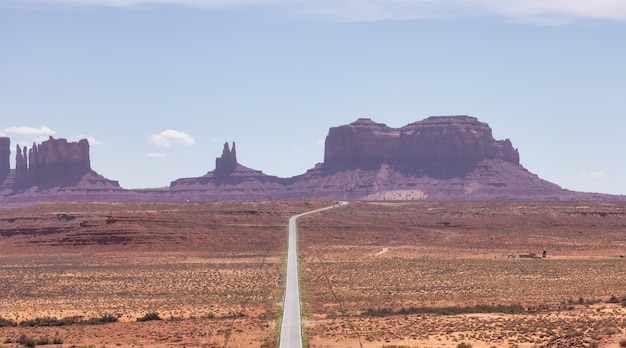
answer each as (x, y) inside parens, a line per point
(92, 140)
(542, 11)
(596, 174)
(156, 155)
(41, 130)
(170, 137)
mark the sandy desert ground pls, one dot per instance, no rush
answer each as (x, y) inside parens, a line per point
(419, 274)
(386, 277)
(212, 272)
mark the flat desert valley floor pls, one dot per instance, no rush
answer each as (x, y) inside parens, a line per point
(373, 274)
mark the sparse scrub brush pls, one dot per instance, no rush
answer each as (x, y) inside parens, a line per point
(463, 345)
(7, 323)
(26, 341)
(149, 317)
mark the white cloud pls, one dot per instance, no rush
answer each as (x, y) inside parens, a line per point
(596, 174)
(541, 11)
(156, 155)
(171, 137)
(90, 139)
(42, 130)
(94, 141)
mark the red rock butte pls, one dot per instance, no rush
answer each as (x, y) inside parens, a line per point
(438, 158)
(445, 146)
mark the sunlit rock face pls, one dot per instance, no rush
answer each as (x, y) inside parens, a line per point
(439, 146)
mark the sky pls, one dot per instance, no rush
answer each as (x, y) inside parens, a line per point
(158, 86)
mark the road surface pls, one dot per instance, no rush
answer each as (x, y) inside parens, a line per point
(291, 327)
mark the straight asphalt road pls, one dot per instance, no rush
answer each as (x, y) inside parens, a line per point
(291, 327)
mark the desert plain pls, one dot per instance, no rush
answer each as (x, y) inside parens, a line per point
(373, 274)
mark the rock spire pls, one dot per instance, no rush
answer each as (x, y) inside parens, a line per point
(5, 158)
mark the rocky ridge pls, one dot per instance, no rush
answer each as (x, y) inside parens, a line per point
(439, 158)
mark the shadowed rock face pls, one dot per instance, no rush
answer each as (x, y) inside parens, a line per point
(439, 146)
(55, 162)
(5, 158)
(228, 162)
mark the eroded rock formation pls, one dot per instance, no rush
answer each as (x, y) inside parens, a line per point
(5, 158)
(230, 181)
(228, 161)
(439, 146)
(57, 163)
(439, 158)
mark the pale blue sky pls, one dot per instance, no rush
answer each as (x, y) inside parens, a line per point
(159, 86)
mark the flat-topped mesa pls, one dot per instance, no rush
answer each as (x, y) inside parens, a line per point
(442, 146)
(5, 158)
(55, 162)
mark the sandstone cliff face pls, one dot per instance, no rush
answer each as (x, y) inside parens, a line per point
(5, 158)
(441, 147)
(55, 162)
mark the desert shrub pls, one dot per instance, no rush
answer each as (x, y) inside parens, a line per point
(150, 316)
(52, 321)
(613, 299)
(26, 341)
(7, 323)
(105, 319)
(622, 342)
(382, 312)
(47, 321)
(379, 312)
(463, 345)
